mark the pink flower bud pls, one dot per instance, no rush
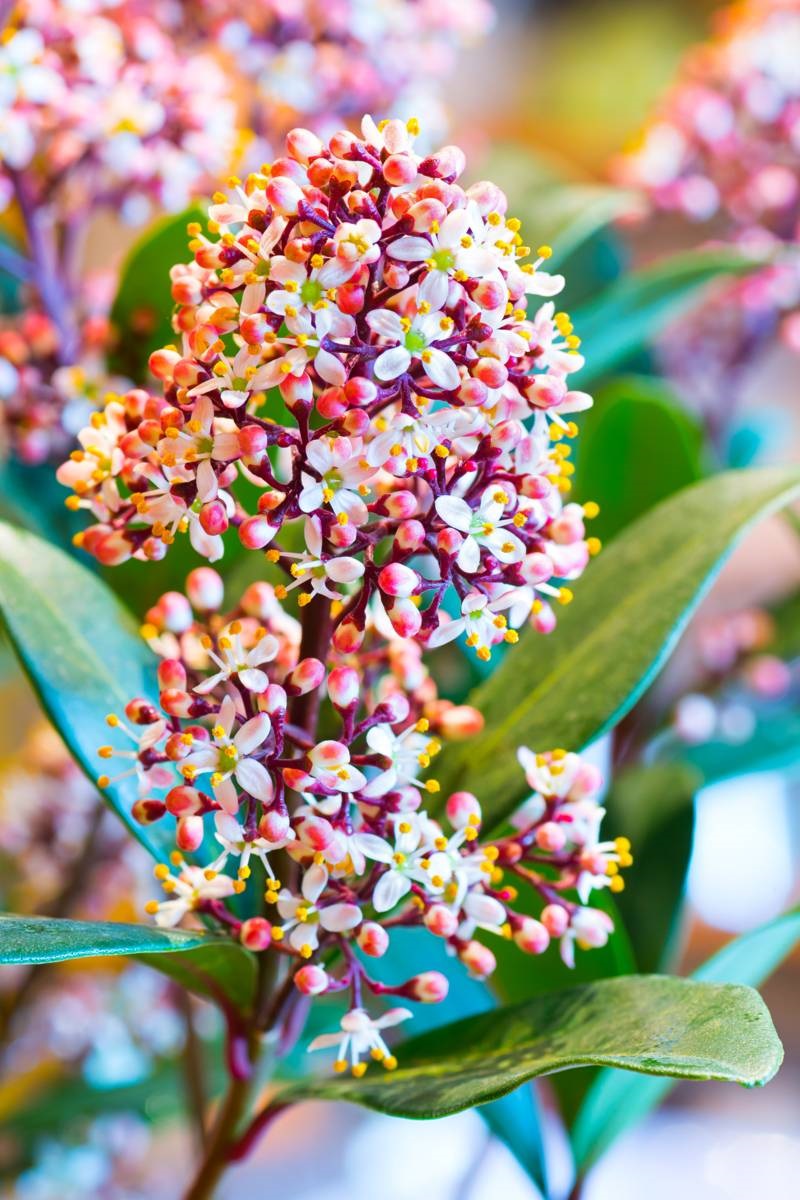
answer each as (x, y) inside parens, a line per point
(441, 921)
(405, 618)
(259, 601)
(189, 833)
(472, 392)
(343, 686)
(410, 535)
(172, 612)
(342, 536)
(256, 532)
(255, 933)
(458, 721)
(394, 709)
(401, 505)
(491, 372)
(274, 826)
(316, 832)
(274, 700)
(184, 801)
(111, 550)
(348, 637)
(252, 441)
(284, 195)
(141, 712)
(488, 197)
(162, 363)
(356, 422)
(311, 980)
(555, 919)
(544, 621)
(531, 936)
(478, 959)
(424, 213)
(399, 169)
(332, 403)
(490, 293)
(148, 810)
(551, 837)
(307, 675)
(537, 568)
(205, 589)
(303, 145)
(398, 580)
(373, 939)
(587, 783)
(171, 674)
(176, 702)
(360, 392)
(449, 542)
(213, 518)
(463, 809)
(592, 927)
(430, 987)
(297, 391)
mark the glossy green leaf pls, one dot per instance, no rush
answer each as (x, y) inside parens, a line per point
(142, 310)
(629, 611)
(630, 313)
(654, 807)
(203, 964)
(618, 1101)
(649, 1024)
(638, 447)
(514, 1118)
(81, 650)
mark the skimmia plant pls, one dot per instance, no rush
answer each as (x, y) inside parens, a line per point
(371, 390)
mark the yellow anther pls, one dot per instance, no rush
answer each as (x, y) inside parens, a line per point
(151, 908)
(161, 871)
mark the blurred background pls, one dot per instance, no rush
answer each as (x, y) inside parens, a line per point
(553, 94)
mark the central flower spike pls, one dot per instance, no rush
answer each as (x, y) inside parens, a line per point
(374, 347)
(369, 350)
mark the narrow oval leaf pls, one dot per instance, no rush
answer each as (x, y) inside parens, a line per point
(635, 309)
(617, 1101)
(212, 967)
(638, 448)
(81, 650)
(629, 611)
(646, 1023)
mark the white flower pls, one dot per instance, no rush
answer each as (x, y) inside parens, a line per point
(231, 836)
(409, 752)
(233, 659)
(481, 621)
(303, 919)
(320, 574)
(480, 912)
(188, 890)
(331, 766)
(360, 1035)
(229, 758)
(483, 526)
(414, 340)
(343, 470)
(402, 436)
(403, 861)
(304, 291)
(452, 247)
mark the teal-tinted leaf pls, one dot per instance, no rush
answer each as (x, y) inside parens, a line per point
(772, 745)
(629, 611)
(636, 308)
(81, 651)
(515, 1118)
(31, 497)
(201, 963)
(618, 1101)
(649, 1024)
(654, 807)
(142, 310)
(638, 447)
(568, 215)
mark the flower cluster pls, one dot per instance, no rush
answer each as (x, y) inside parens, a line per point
(325, 833)
(96, 108)
(420, 436)
(724, 147)
(326, 63)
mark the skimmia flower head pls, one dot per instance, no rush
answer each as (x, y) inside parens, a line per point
(359, 391)
(357, 364)
(724, 147)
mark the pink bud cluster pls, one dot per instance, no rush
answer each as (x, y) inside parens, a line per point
(325, 64)
(724, 147)
(325, 831)
(97, 108)
(360, 390)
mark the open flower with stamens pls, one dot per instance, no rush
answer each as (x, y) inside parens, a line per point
(361, 1035)
(228, 757)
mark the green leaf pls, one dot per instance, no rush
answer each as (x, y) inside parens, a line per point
(649, 1024)
(618, 1101)
(654, 807)
(630, 313)
(566, 216)
(630, 609)
(203, 964)
(638, 448)
(142, 310)
(773, 745)
(81, 650)
(515, 1118)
